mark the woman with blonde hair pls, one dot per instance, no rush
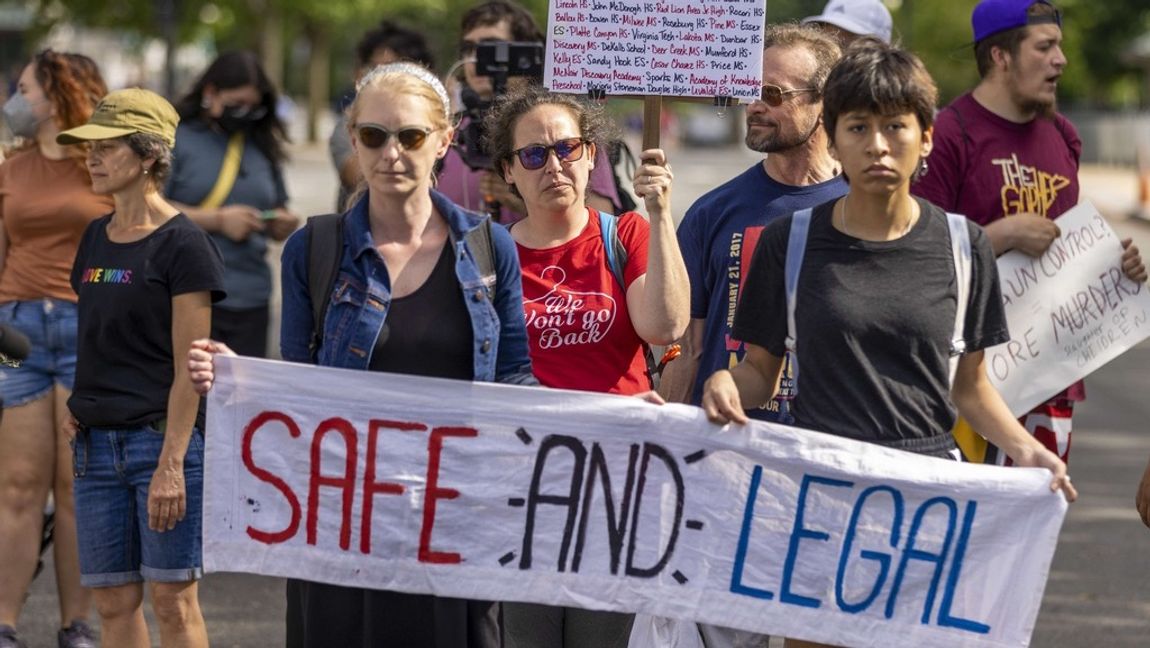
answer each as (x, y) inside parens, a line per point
(411, 285)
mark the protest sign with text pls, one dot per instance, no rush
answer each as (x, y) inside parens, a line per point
(1070, 311)
(670, 48)
(528, 494)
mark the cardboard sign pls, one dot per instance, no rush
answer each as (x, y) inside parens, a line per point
(605, 502)
(680, 48)
(1070, 311)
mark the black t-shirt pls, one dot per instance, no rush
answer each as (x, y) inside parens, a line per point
(428, 333)
(124, 363)
(874, 322)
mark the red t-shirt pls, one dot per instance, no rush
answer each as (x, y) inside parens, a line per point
(578, 327)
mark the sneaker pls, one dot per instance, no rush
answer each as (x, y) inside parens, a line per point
(9, 639)
(78, 634)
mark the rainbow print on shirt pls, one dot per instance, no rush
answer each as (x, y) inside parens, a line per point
(107, 276)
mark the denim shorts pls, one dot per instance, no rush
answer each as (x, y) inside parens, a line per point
(113, 469)
(50, 325)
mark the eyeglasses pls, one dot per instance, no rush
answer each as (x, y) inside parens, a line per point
(774, 96)
(534, 156)
(374, 136)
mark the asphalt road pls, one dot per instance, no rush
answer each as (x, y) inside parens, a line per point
(1097, 593)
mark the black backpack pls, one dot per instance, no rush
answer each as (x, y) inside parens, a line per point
(325, 252)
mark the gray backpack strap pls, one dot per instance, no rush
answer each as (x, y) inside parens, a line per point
(960, 250)
(479, 242)
(796, 249)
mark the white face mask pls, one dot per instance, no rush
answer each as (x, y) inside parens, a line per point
(21, 117)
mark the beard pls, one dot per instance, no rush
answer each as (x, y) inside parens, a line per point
(1042, 109)
(781, 139)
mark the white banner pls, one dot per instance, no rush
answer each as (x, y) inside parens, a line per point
(1070, 311)
(681, 48)
(605, 502)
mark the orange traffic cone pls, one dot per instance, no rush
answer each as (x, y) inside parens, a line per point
(1142, 211)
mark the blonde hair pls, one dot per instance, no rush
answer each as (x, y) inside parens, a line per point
(405, 78)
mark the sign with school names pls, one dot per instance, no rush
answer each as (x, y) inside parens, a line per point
(1070, 311)
(508, 493)
(670, 48)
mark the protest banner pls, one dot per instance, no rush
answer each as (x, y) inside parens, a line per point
(1070, 311)
(512, 493)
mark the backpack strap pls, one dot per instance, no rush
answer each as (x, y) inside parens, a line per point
(960, 251)
(796, 249)
(617, 260)
(324, 254)
(478, 240)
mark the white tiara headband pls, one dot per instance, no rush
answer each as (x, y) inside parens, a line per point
(411, 69)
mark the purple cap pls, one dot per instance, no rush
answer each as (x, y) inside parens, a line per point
(993, 16)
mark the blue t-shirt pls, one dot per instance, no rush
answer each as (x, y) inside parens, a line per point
(718, 237)
(196, 161)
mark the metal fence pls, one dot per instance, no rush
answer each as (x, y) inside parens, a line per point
(1112, 137)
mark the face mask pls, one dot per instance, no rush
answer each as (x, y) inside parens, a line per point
(240, 118)
(21, 117)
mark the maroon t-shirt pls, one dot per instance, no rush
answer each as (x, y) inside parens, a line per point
(986, 168)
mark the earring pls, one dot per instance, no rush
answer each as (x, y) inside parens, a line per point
(923, 168)
(204, 103)
(145, 171)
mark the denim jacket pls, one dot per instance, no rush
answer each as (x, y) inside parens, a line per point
(362, 294)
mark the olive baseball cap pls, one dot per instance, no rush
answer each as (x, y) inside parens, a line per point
(125, 112)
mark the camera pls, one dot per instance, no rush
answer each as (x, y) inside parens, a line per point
(500, 60)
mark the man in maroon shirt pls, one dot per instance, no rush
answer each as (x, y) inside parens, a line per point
(1005, 158)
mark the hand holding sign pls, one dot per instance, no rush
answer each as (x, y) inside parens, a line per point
(653, 182)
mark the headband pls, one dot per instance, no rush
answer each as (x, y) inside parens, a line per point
(410, 69)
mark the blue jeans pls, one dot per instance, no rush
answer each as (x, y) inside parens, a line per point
(50, 325)
(113, 470)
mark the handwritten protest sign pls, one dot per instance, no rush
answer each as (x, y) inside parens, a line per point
(1070, 311)
(681, 48)
(528, 494)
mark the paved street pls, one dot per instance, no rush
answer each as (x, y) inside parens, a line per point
(1097, 593)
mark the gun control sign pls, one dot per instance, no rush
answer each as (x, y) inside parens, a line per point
(605, 502)
(681, 48)
(1070, 311)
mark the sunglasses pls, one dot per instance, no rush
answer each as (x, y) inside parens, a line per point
(374, 136)
(774, 96)
(534, 156)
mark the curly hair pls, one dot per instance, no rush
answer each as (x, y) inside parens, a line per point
(74, 85)
(499, 124)
(152, 147)
(237, 69)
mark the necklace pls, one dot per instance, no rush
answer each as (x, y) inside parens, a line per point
(843, 219)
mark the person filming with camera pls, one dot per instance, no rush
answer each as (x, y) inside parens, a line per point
(467, 175)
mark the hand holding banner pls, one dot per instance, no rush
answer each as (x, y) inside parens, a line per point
(604, 502)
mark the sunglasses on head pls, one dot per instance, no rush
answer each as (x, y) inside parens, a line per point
(374, 136)
(774, 96)
(534, 156)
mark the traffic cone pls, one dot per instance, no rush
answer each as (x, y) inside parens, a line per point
(1142, 211)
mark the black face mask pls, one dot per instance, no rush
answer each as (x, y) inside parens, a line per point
(240, 118)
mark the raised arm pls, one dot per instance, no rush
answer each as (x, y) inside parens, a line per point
(659, 301)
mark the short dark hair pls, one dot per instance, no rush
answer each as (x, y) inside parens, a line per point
(881, 79)
(1009, 40)
(523, 26)
(499, 124)
(823, 48)
(408, 44)
(152, 147)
